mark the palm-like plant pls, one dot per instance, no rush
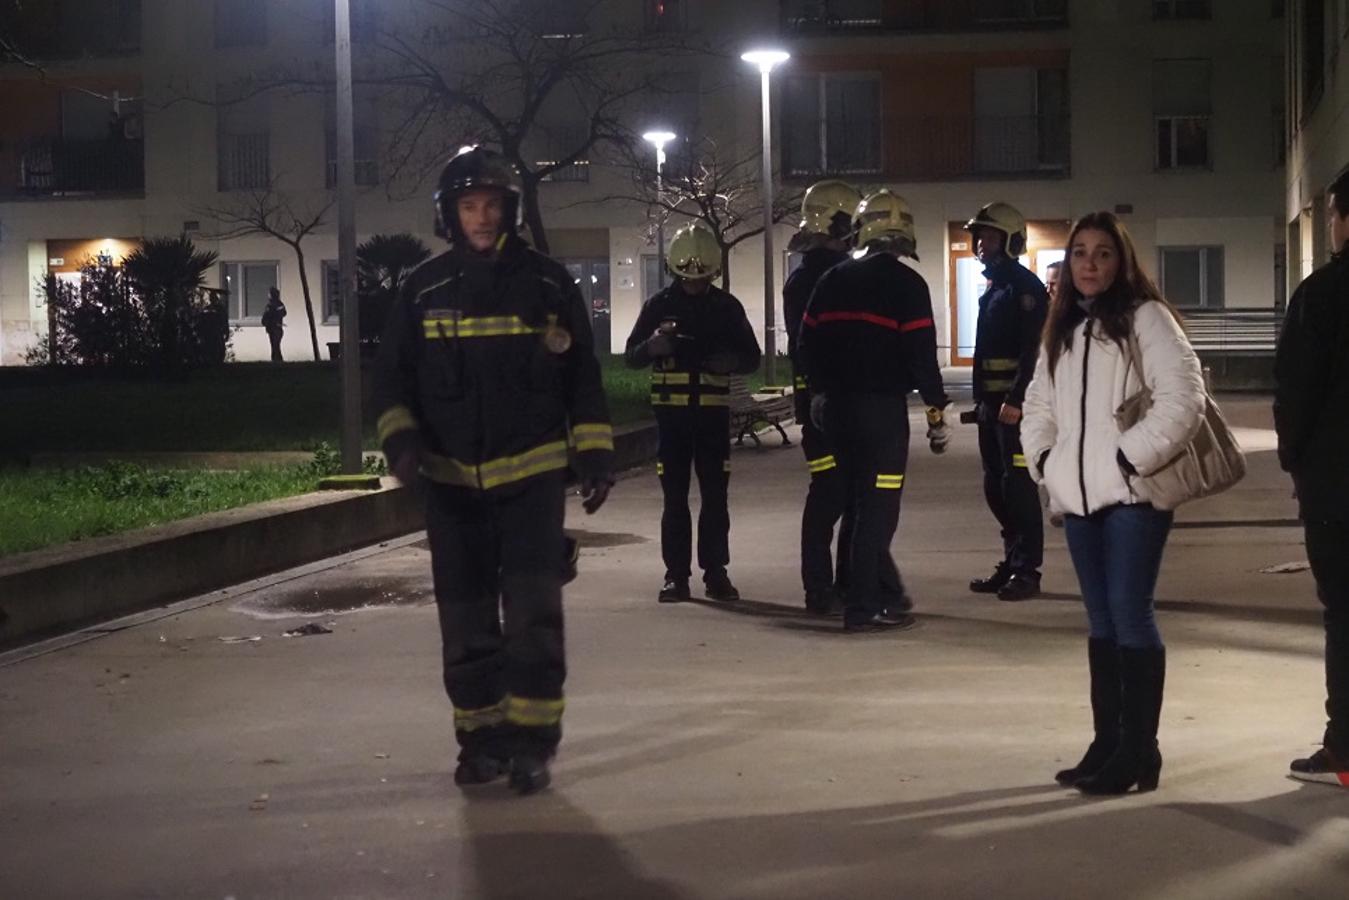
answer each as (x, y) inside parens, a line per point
(167, 274)
(383, 263)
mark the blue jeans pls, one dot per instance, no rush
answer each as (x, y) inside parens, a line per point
(1117, 553)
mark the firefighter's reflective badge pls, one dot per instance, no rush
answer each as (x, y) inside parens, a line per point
(1027, 302)
(556, 338)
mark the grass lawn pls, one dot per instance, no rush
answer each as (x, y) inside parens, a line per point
(238, 407)
(42, 507)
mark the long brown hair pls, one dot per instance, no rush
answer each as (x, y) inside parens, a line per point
(1115, 306)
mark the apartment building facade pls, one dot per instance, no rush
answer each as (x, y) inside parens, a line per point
(1171, 112)
(1317, 126)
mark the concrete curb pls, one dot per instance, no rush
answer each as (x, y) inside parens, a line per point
(61, 588)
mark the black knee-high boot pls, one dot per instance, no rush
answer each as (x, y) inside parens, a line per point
(1137, 760)
(1103, 662)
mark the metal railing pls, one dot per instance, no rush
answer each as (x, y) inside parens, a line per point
(56, 166)
(245, 161)
(1235, 331)
(844, 16)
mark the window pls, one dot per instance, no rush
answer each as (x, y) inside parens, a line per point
(248, 284)
(834, 13)
(666, 15)
(1312, 46)
(1020, 119)
(1181, 9)
(1192, 277)
(833, 124)
(1278, 115)
(991, 11)
(560, 142)
(365, 138)
(240, 23)
(364, 21)
(1181, 105)
(243, 140)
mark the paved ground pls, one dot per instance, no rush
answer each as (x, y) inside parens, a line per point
(711, 751)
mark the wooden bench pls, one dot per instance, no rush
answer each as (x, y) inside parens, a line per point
(748, 411)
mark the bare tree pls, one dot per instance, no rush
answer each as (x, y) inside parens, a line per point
(702, 182)
(273, 213)
(548, 83)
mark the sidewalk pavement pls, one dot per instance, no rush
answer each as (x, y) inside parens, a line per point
(712, 750)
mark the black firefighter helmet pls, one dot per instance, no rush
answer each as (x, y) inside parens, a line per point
(475, 168)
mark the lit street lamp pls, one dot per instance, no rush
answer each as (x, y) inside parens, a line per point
(659, 139)
(346, 248)
(766, 60)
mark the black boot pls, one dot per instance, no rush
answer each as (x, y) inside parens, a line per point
(993, 583)
(1103, 663)
(529, 774)
(1136, 761)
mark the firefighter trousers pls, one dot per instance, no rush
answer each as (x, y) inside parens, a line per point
(496, 561)
(694, 440)
(1011, 495)
(827, 506)
(870, 436)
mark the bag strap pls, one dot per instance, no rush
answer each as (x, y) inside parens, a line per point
(1135, 354)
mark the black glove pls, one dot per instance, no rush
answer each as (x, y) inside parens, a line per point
(660, 345)
(406, 467)
(594, 491)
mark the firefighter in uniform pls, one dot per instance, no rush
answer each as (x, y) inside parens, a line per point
(694, 336)
(824, 238)
(487, 387)
(867, 339)
(1011, 316)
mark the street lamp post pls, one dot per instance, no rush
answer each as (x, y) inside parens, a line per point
(659, 139)
(346, 248)
(766, 60)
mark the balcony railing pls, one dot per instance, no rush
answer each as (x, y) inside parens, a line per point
(939, 147)
(57, 167)
(851, 16)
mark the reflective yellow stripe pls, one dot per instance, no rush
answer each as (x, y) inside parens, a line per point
(997, 384)
(714, 400)
(496, 472)
(726, 465)
(1019, 460)
(823, 464)
(714, 380)
(669, 399)
(473, 719)
(800, 382)
(395, 419)
(592, 436)
(669, 377)
(890, 482)
(660, 468)
(484, 326)
(533, 713)
(1001, 365)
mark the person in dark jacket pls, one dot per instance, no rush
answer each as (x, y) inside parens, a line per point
(273, 321)
(1311, 414)
(694, 336)
(867, 339)
(487, 387)
(1011, 317)
(824, 238)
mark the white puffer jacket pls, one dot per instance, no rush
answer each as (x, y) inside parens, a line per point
(1071, 414)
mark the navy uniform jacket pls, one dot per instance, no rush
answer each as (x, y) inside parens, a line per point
(487, 369)
(1011, 317)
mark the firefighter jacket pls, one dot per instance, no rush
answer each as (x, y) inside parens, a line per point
(1311, 394)
(796, 295)
(869, 329)
(1011, 316)
(487, 370)
(713, 341)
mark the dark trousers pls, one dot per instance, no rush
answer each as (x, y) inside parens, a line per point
(1011, 494)
(274, 335)
(694, 440)
(497, 562)
(827, 506)
(870, 435)
(1328, 553)
(1117, 552)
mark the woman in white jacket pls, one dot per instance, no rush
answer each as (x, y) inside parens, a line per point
(1116, 533)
